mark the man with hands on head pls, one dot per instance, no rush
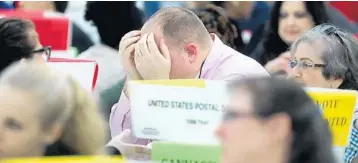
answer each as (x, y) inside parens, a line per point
(174, 44)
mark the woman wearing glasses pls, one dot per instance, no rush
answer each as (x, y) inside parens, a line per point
(19, 40)
(327, 57)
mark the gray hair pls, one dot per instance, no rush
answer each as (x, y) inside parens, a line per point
(50, 89)
(339, 51)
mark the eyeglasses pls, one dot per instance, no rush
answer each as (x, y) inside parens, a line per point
(303, 64)
(230, 115)
(45, 52)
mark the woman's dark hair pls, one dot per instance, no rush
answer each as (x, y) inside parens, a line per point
(272, 45)
(60, 6)
(219, 3)
(15, 41)
(216, 21)
(311, 137)
(113, 19)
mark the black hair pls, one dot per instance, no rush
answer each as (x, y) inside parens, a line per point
(219, 3)
(60, 6)
(113, 19)
(311, 137)
(272, 44)
(216, 21)
(15, 41)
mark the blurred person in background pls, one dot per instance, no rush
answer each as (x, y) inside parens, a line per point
(216, 21)
(80, 40)
(19, 40)
(197, 4)
(55, 116)
(335, 17)
(327, 57)
(284, 126)
(247, 15)
(108, 17)
(288, 21)
(7, 5)
(174, 44)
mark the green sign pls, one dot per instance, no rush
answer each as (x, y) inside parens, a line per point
(168, 152)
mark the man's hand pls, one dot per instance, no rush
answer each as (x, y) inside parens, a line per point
(126, 50)
(151, 62)
(130, 151)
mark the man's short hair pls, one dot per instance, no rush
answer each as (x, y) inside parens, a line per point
(180, 25)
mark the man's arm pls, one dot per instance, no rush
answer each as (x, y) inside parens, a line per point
(239, 67)
(117, 119)
(120, 119)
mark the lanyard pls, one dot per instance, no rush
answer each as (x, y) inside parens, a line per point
(201, 68)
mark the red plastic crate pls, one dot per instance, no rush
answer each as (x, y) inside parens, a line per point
(53, 30)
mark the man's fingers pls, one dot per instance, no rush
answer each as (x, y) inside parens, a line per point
(136, 152)
(130, 34)
(143, 149)
(153, 48)
(137, 52)
(124, 45)
(129, 51)
(164, 49)
(143, 153)
(143, 47)
(137, 57)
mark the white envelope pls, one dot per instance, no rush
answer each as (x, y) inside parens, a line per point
(84, 71)
(175, 113)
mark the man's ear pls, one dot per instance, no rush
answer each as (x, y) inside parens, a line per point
(192, 51)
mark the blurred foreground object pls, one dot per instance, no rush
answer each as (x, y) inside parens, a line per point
(57, 116)
(72, 159)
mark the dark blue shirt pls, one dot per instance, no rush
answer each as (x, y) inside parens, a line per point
(259, 15)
